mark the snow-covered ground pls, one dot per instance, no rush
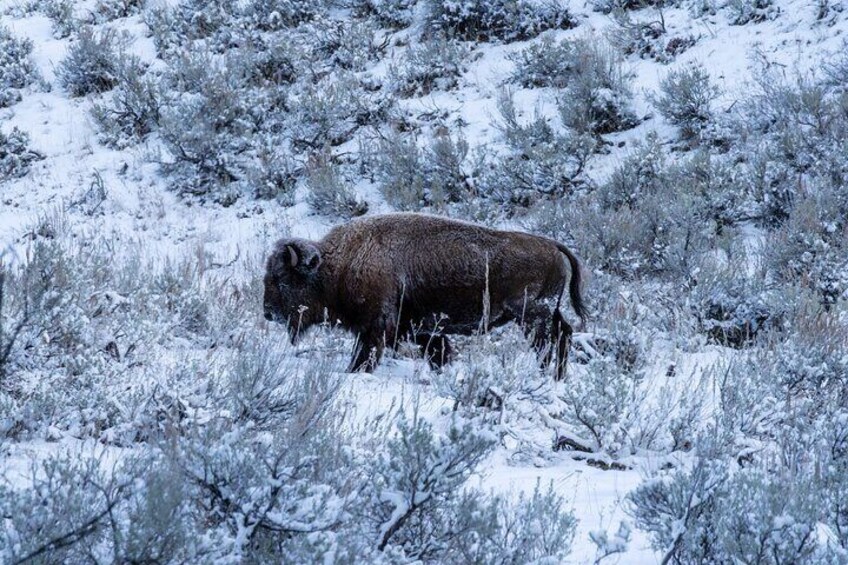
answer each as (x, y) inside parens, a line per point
(142, 213)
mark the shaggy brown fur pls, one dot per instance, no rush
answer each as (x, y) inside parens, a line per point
(420, 277)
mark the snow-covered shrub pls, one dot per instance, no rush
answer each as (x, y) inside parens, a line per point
(717, 194)
(497, 377)
(774, 401)
(609, 545)
(157, 524)
(400, 173)
(16, 67)
(177, 286)
(243, 122)
(341, 44)
(190, 20)
(78, 505)
(411, 178)
(446, 161)
(278, 63)
(273, 15)
(642, 173)
(609, 6)
(544, 63)
(418, 476)
(92, 63)
(647, 37)
(706, 183)
(655, 237)
(108, 10)
(741, 12)
(504, 20)
(330, 193)
(222, 492)
(65, 330)
(603, 403)
(274, 173)
(261, 386)
(771, 179)
(750, 407)
(329, 112)
(86, 322)
(199, 19)
(205, 121)
(261, 491)
(640, 221)
(732, 305)
(708, 514)
(619, 240)
(15, 155)
(9, 332)
(489, 374)
(468, 529)
(595, 96)
(809, 361)
(163, 29)
(258, 488)
(541, 161)
(810, 248)
(390, 13)
(535, 528)
(836, 69)
(325, 49)
(686, 100)
(132, 109)
(247, 120)
(434, 64)
(64, 513)
(834, 436)
(676, 510)
(61, 14)
(790, 132)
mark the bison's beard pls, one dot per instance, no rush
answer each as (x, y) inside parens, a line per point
(294, 326)
(297, 327)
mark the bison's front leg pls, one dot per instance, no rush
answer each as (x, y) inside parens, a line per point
(367, 352)
(370, 344)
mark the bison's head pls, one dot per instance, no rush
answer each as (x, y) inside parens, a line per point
(291, 294)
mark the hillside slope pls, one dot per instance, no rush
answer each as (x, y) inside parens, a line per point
(694, 154)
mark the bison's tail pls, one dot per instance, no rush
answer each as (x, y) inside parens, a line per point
(575, 284)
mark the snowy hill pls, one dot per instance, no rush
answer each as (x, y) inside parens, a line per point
(694, 153)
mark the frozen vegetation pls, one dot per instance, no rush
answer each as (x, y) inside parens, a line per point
(694, 153)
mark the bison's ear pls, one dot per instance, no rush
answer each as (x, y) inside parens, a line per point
(302, 256)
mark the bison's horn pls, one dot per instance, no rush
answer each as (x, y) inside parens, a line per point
(292, 255)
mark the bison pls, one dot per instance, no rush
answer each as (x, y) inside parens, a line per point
(419, 277)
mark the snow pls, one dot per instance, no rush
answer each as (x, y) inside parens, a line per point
(142, 211)
(597, 497)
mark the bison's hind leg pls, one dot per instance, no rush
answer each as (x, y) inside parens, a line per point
(561, 332)
(550, 334)
(364, 358)
(535, 321)
(435, 348)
